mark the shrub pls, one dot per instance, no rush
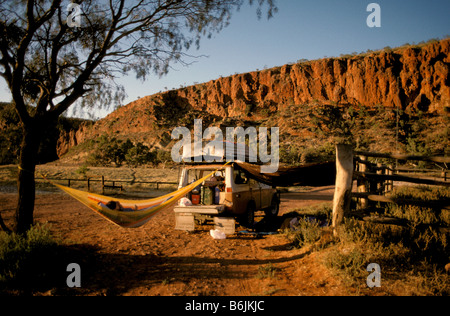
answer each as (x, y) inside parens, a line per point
(28, 261)
(306, 232)
(137, 155)
(397, 249)
(163, 156)
(110, 151)
(350, 263)
(421, 215)
(289, 155)
(267, 271)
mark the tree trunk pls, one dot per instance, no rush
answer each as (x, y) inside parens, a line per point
(26, 179)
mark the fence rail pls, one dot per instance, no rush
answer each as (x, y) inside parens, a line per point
(403, 157)
(109, 184)
(400, 178)
(376, 180)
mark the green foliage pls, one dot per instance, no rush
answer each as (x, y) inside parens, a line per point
(410, 251)
(417, 249)
(289, 155)
(306, 233)
(112, 151)
(308, 230)
(82, 170)
(163, 156)
(337, 122)
(350, 263)
(397, 245)
(267, 271)
(28, 260)
(421, 215)
(10, 136)
(417, 253)
(294, 155)
(139, 155)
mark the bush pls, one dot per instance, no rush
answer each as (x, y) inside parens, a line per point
(11, 135)
(289, 155)
(163, 156)
(397, 249)
(137, 155)
(28, 261)
(350, 263)
(306, 232)
(110, 151)
(421, 215)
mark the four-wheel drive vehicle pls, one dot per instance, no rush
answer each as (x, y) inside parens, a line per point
(228, 195)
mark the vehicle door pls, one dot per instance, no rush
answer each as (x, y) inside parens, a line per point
(266, 195)
(255, 192)
(242, 194)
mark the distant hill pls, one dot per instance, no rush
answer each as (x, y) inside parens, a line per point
(389, 100)
(11, 136)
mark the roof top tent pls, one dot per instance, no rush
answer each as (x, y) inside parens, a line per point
(217, 152)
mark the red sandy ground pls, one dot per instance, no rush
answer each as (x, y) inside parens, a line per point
(158, 260)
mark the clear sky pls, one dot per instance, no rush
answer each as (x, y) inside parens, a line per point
(302, 29)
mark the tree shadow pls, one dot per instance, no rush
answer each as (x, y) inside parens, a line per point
(113, 274)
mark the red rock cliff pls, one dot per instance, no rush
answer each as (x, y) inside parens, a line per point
(414, 78)
(410, 77)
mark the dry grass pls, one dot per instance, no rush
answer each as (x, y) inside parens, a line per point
(412, 258)
(131, 176)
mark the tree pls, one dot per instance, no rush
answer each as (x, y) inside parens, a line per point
(334, 121)
(137, 155)
(51, 58)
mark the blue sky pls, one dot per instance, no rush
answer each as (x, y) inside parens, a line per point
(310, 29)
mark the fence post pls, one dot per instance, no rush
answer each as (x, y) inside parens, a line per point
(380, 184)
(390, 171)
(363, 203)
(344, 180)
(103, 184)
(362, 185)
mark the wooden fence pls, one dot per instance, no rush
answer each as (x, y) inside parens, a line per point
(374, 181)
(108, 184)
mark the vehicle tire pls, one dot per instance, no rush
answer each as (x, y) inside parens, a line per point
(274, 208)
(248, 218)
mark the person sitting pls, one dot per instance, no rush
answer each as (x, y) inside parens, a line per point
(116, 206)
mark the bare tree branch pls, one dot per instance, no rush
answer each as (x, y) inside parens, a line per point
(49, 65)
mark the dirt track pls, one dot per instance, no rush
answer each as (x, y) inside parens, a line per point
(157, 260)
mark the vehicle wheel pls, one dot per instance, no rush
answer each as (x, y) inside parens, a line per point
(274, 208)
(248, 219)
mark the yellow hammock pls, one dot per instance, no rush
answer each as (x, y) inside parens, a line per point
(143, 210)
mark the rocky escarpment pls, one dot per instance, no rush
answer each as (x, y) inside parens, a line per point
(412, 78)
